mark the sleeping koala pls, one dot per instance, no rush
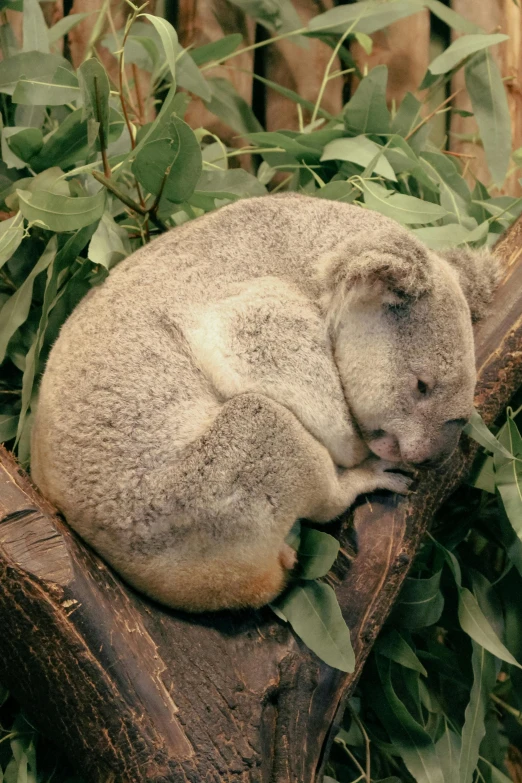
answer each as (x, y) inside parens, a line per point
(267, 362)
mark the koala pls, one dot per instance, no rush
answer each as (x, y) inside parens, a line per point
(269, 361)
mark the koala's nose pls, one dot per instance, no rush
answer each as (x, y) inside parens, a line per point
(443, 447)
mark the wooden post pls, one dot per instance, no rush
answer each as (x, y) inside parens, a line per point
(140, 694)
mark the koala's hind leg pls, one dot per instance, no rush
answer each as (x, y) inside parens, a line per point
(232, 498)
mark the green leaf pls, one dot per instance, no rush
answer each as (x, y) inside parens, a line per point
(367, 112)
(474, 623)
(8, 426)
(313, 612)
(362, 151)
(15, 311)
(450, 235)
(448, 749)
(317, 553)
(338, 191)
(170, 166)
(410, 739)
(451, 18)
(34, 29)
(230, 107)
(404, 209)
(484, 677)
(293, 96)
(216, 50)
(367, 16)
(29, 65)
(11, 234)
(69, 144)
(95, 92)
(477, 430)
(109, 244)
(461, 48)
(393, 646)
(64, 25)
(231, 184)
(61, 213)
(61, 88)
(408, 116)
(490, 107)
(63, 259)
(190, 77)
(420, 602)
(25, 142)
(169, 39)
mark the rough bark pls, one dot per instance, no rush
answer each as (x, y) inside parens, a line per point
(137, 693)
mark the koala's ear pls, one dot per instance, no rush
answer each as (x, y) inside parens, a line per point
(479, 274)
(386, 263)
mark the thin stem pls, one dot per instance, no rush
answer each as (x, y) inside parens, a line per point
(367, 744)
(281, 184)
(517, 714)
(431, 114)
(214, 63)
(129, 202)
(101, 132)
(328, 68)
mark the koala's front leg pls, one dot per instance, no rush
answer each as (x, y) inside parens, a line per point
(372, 474)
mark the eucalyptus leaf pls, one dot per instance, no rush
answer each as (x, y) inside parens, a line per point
(34, 29)
(490, 107)
(475, 624)
(477, 429)
(190, 77)
(366, 16)
(29, 65)
(95, 92)
(484, 677)
(65, 25)
(360, 150)
(8, 427)
(229, 106)
(11, 234)
(393, 646)
(367, 111)
(109, 244)
(312, 610)
(338, 191)
(317, 553)
(61, 213)
(62, 87)
(169, 168)
(169, 39)
(216, 50)
(420, 602)
(404, 209)
(15, 311)
(464, 47)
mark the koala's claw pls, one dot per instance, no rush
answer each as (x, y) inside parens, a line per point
(387, 477)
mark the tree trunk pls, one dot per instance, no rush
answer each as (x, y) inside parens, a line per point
(139, 693)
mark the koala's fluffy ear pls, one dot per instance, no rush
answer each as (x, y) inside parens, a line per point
(479, 275)
(388, 262)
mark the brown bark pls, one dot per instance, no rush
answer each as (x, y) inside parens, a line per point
(502, 16)
(141, 693)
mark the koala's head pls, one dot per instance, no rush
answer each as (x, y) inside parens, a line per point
(401, 320)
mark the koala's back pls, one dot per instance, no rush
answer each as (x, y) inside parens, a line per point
(122, 394)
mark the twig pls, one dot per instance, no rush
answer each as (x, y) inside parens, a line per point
(431, 114)
(128, 201)
(101, 132)
(366, 742)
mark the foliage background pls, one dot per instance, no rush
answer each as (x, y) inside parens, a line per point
(85, 179)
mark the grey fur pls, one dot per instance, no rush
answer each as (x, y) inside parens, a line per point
(232, 376)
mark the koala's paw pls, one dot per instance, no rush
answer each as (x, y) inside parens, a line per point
(386, 476)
